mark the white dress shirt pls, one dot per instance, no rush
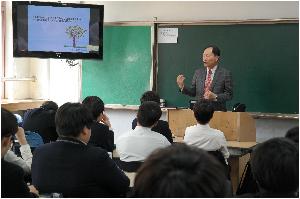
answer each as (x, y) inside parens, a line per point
(137, 144)
(206, 138)
(24, 162)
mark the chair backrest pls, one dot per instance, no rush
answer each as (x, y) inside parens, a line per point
(128, 166)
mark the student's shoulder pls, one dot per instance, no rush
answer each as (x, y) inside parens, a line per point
(11, 169)
(96, 152)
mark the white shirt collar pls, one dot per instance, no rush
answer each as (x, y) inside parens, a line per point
(213, 70)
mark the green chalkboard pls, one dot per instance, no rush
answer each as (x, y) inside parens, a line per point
(263, 59)
(124, 73)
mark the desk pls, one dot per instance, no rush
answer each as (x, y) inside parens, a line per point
(239, 156)
(17, 105)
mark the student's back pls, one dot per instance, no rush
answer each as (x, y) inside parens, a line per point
(41, 121)
(76, 170)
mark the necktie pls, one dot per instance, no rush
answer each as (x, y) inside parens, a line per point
(208, 81)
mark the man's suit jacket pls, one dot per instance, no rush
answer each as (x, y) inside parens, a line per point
(102, 137)
(74, 169)
(161, 127)
(12, 182)
(221, 86)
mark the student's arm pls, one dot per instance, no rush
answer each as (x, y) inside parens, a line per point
(26, 160)
(223, 148)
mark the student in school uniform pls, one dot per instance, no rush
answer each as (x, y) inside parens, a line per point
(102, 134)
(180, 171)
(41, 120)
(275, 168)
(202, 135)
(72, 167)
(137, 144)
(162, 126)
(12, 176)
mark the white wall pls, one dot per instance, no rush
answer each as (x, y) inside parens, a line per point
(197, 10)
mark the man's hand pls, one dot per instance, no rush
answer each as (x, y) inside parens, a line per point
(20, 135)
(105, 120)
(210, 96)
(180, 81)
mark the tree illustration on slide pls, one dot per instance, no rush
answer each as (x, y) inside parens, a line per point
(75, 32)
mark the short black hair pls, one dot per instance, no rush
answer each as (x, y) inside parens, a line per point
(203, 111)
(215, 50)
(148, 113)
(71, 118)
(95, 105)
(293, 134)
(150, 96)
(275, 165)
(49, 105)
(9, 124)
(180, 171)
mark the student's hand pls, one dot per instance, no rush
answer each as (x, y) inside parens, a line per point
(33, 189)
(20, 135)
(104, 119)
(180, 81)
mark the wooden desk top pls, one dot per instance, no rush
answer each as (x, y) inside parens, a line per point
(17, 105)
(230, 144)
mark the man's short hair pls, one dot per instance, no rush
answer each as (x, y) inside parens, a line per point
(148, 113)
(275, 165)
(95, 105)
(180, 171)
(215, 50)
(49, 105)
(150, 96)
(9, 125)
(293, 134)
(71, 118)
(203, 111)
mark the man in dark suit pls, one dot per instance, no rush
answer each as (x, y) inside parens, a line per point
(71, 167)
(12, 176)
(212, 82)
(161, 127)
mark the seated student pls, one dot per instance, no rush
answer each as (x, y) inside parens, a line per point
(162, 126)
(137, 144)
(101, 134)
(41, 121)
(12, 176)
(180, 171)
(71, 167)
(26, 156)
(201, 135)
(275, 167)
(293, 134)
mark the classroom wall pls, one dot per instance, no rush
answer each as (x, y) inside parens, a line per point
(197, 10)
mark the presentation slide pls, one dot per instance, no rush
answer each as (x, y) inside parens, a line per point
(58, 29)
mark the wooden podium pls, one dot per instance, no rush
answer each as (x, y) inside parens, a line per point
(238, 127)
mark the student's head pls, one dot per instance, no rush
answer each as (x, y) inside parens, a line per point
(211, 55)
(180, 171)
(74, 120)
(95, 105)
(150, 96)
(49, 105)
(293, 134)
(148, 114)
(275, 165)
(203, 111)
(9, 127)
